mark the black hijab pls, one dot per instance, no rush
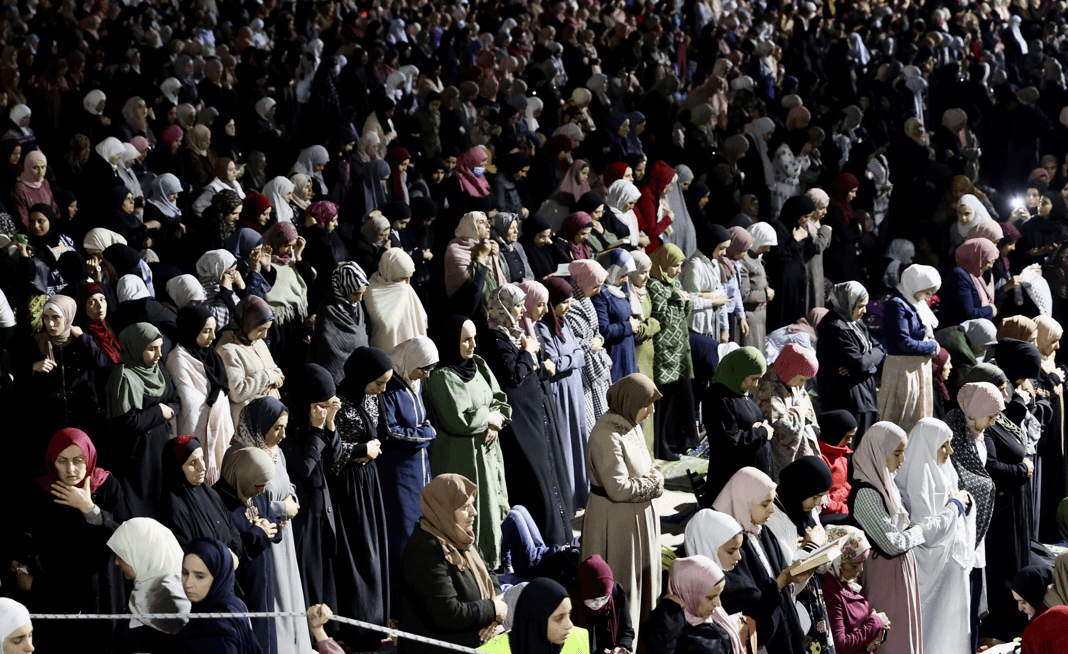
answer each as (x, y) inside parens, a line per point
(364, 366)
(190, 321)
(193, 511)
(794, 208)
(1017, 359)
(72, 266)
(538, 601)
(51, 237)
(693, 197)
(543, 259)
(799, 481)
(124, 258)
(1030, 583)
(127, 221)
(448, 342)
(710, 236)
(834, 425)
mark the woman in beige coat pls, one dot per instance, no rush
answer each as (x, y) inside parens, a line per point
(249, 365)
(621, 523)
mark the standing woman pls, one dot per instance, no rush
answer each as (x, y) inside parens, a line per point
(621, 522)
(191, 508)
(786, 267)
(404, 465)
(875, 503)
(930, 493)
(340, 321)
(615, 319)
(208, 578)
(848, 357)
(738, 433)
(587, 280)
(393, 307)
(753, 284)
(676, 424)
(907, 393)
(641, 307)
(243, 348)
(200, 376)
(142, 400)
(538, 475)
(782, 398)
(1050, 384)
(361, 565)
(263, 426)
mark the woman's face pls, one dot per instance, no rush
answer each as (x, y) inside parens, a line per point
(231, 129)
(96, 307)
(16, 154)
(398, 225)
(483, 227)
(730, 553)
(593, 290)
(260, 333)
(965, 215)
(673, 270)
(513, 232)
(849, 198)
(897, 457)
(721, 249)
(195, 469)
(624, 129)
(1032, 197)
(207, 334)
(378, 385)
(306, 193)
(559, 623)
(231, 172)
(750, 382)
(597, 213)
(19, 641)
(196, 578)
(852, 569)
(39, 224)
(641, 279)
(177, 144)
(71, 466)
(628, 174)
(762, 510)
(1024, 607)
(821, 210)
(152, 353)
(862, 308)
(812, 502)
(798, 381)
(539, 310)
(1045, 205)
(518, 311)
(234, 215)
(465, 515)
(277, 433)
(467, 340)
(711, 601)
(38, 170)
(264, 217)
(983, 423)
(561, 309)
(543, 238)
(1047, 349)
(945, 451)
(639, 172)
(128, 203)
(582, 235)
(629, 206)
(925, 294)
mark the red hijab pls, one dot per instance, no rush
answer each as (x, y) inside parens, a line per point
(395, 157)
(97, 329)
(595, 580)
(63, 439)
(614, 172)
(839, 191)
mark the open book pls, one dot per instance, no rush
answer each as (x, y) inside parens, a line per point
(830, 551)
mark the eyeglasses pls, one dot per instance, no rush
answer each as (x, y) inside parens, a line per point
(429, 369)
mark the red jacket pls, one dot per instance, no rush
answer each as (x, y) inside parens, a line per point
(1047, 633)
(836, 459)
(649, 203)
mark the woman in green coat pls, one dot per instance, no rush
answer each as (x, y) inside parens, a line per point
(676, 418)
(642, 308)
(468, 409)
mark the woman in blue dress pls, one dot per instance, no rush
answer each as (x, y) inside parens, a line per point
(615, 319)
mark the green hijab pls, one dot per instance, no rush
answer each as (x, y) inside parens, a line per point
(739, 364)
(131, 380)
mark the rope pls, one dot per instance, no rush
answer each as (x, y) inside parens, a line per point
(392, 633)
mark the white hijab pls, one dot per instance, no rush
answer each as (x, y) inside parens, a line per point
(418, 352)
(394, 309)
(707, 531)
(979, 215)
(12, 616)
(276, 191)
(918, 278)
(155, 556)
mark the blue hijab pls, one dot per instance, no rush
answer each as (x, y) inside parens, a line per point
(221, 598)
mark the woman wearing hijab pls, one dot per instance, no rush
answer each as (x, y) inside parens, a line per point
(506, 233)
(574, 236)
(672, 364)
(970, 294)
(149, 555)
(250, 367)
(196, 156)
(876, 504)
(209, 581)
(473, 258)
(32, 187)
(373, 242)
(393, 308)
(443, 565)
(702, 278)
(538, 474)
(162, 206)
(16, 630)
(92, 317)
(469, 410)
(191, 508)
(753, 283)
(786, 265)
(574, 184)
(929, 488)
(220, 218)
(404, 464)
(737, 430)
(621, 523)
(1050, 383)
(279, 191)
(141, 401)
(697, 621)
(599, 605)
(621, 198)
(759, 585)
(245, 475)
(856, 627)
(1043, 233)
(75, 501)
(200, 376)
(908, 329)
(263, 426)
(472, 190)
(311, 162)
(124, 221)
(641, 307)
(783, 400)
(217, 272)
(653, 220)
(538, 246)
(837, 429)
(615, 315)
(340, 321)
(848, 357)
(1046, 631)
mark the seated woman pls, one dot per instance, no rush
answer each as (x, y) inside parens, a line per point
(200, 375)
(190, 507)
(600, 606)
(32, 187)
(249, 365)
(341, 324)
(782, 398)
(759, 586)
(695, 583)
(208, 579)
(245, 475)
(141, 401)
(837, 429)
(149, 555)
(447, 590)
(1048, 627)
(77, 500)
(856, 627)
(615, 319)
(393, 307)
(542, 623)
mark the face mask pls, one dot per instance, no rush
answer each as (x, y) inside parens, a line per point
(596, 604)
(479, 171)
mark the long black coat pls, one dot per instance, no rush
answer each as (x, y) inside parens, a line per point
(844, 345)
(135, 445)
(439, 601)
(729, 419)
(667, 632)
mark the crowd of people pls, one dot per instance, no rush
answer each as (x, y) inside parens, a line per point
(398, 310)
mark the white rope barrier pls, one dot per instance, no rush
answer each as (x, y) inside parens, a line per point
(392, 633)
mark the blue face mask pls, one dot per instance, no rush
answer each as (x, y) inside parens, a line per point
(479, 171)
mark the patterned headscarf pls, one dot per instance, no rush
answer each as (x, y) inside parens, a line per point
(499, 311)
(846, 297)
(854, 550)
(347, 279)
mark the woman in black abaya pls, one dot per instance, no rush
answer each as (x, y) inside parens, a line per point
(786, 261)
(190, 508)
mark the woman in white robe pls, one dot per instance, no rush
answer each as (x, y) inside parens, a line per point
(393, 307)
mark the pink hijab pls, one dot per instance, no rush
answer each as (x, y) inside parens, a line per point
(978, 400)
(31, 160)
(571, 185)
(465, 173)
(972, 256)
(795, 360)
(745, 489)
(536, 294)
(587, 273)
(690, 579)
(869, 463)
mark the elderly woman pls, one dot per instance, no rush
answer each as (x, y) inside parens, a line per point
(141, 402)
(469, 410)
(615, 315)
(621, 522)
(856, 626)
(32, 187)
(191, 508)
(249, 365)
(783, 400)
(907, 392)
(393, 308)
(848, 357)
(473, 258)
(538, 474)
(587, 280)
(506, 233)
(448, 590)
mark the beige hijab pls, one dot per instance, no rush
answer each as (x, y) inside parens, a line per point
(631, 394)
(249, 466)
(439, 500)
